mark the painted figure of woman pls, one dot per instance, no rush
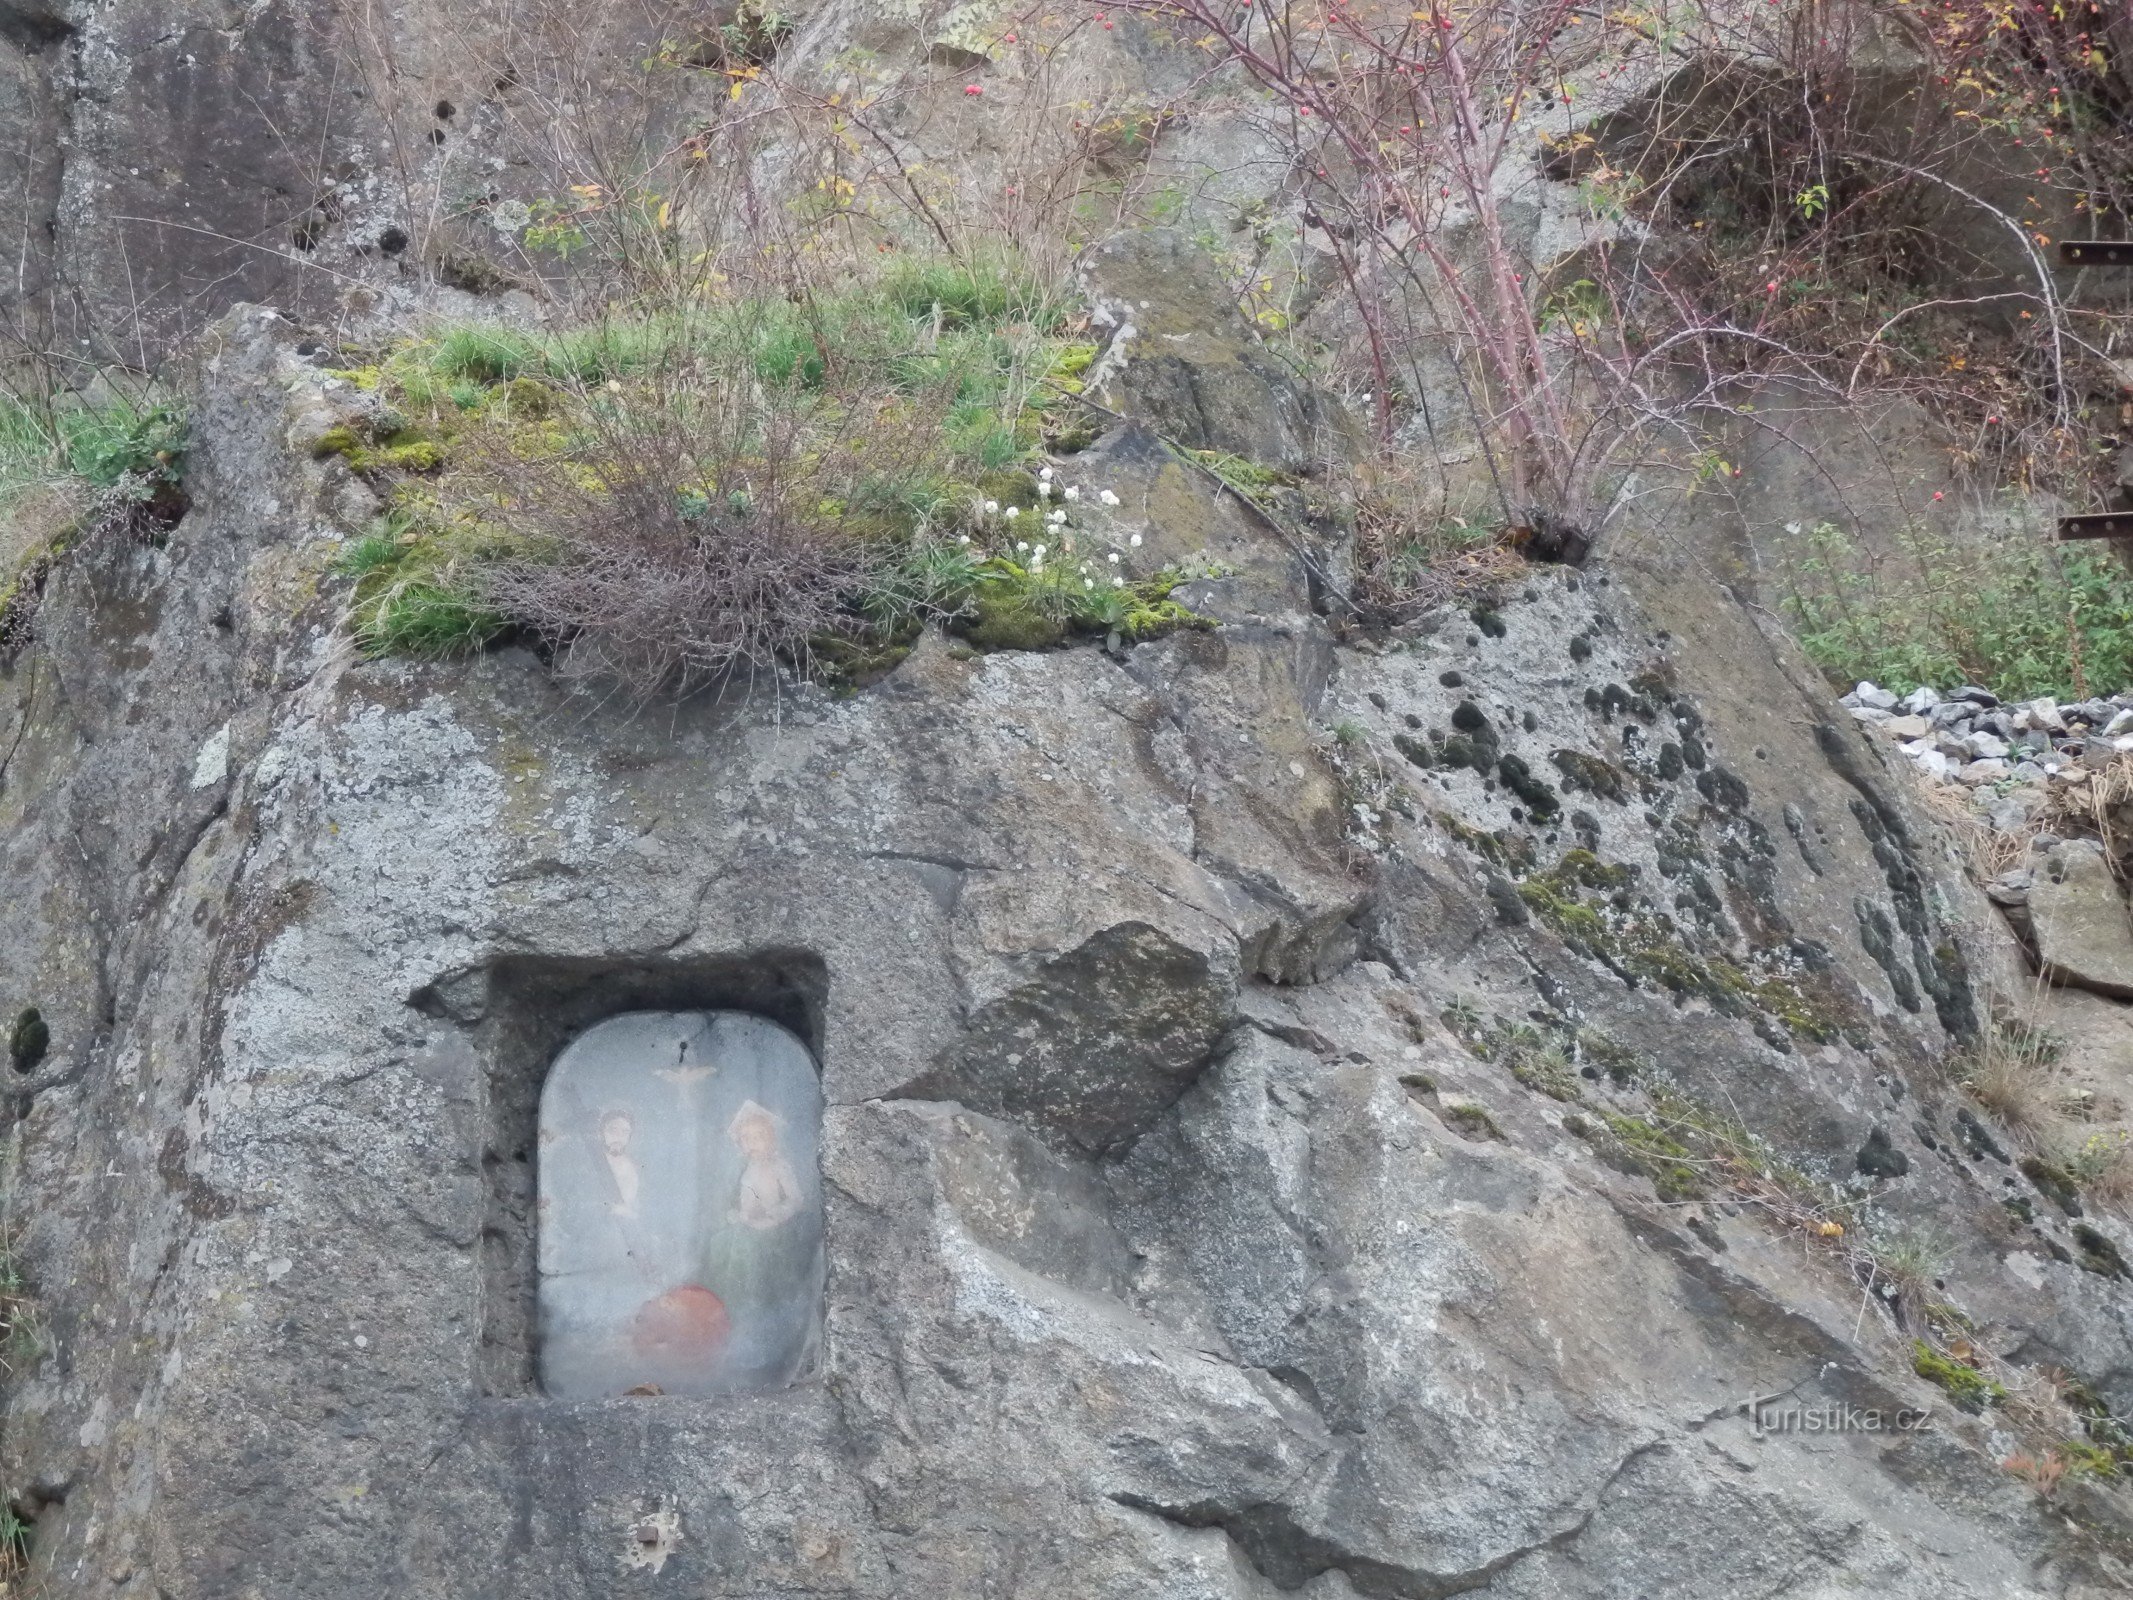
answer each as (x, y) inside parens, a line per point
(769, 1191)
(763, 1256)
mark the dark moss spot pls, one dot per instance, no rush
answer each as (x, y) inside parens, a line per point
(1506, 897)
(1519, 779)
(1452, 680)
(1879, 1157)
(2054, 1182)
(28, 1040)
(1723, 789)
(1591, 774)
(1971, 1135)
(1414, 749)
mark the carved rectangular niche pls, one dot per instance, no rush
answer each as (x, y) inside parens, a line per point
(530, 1013)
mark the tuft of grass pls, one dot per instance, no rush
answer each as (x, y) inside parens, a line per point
(125, 445)
(15, 1531)
(2007, 1072)
(1905, 1266)
(2103, 1168)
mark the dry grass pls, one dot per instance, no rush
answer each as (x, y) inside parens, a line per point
(2100, 807)
(1411, 556)
(2009, 1071)
(2103, 1166)
(1986, 851)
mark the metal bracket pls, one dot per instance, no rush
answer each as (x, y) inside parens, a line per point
(2097, 525)
(2096, 252)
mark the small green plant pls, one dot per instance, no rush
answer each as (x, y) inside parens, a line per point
(15, 1531)
(2103, 1166)
(1969, 1388)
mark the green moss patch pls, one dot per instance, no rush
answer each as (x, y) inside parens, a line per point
(1967, 1387)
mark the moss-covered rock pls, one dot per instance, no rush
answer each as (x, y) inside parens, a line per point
(1969, 1388)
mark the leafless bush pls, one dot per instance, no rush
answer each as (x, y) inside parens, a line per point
(681, 531)
(1766, 216)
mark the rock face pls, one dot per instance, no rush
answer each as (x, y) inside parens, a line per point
(2084, 934)
(1301, 1110)
(1218, 1194)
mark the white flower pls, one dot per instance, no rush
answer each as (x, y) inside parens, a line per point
(1044, 489)
(1108, 498)
(1037, 554)
(1022, 545)
(1135, 541)
(992, 508)
(1058, 519)
(1044, 473)
(1013, 512)
(1070, 493)
(1118, 583)
(1113, 558)
(1088, 583)
(965, 539)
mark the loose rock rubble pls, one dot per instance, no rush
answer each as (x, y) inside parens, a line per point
(2012, 754)
(2053, 788)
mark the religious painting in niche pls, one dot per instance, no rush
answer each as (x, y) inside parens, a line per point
(680, 1210)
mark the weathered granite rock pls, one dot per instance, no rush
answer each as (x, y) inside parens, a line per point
(1182, 357)
(1266, 1270)
(2084, 934)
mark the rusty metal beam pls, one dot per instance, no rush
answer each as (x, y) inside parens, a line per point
(2098, 525)
(2096, 252)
